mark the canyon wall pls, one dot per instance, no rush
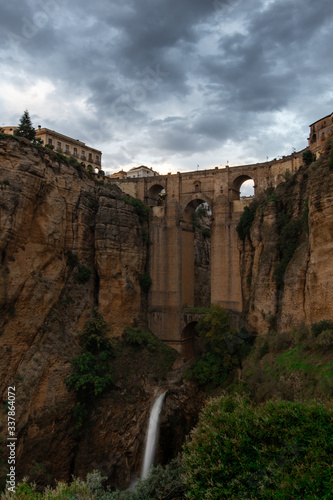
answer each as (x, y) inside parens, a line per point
(296, 218)
(66, 245)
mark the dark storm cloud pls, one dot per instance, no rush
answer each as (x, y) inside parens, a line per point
(180, 77)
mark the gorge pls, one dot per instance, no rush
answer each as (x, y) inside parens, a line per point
(70, 242)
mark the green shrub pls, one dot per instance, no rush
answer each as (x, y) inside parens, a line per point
(263, 350)
(75, 490)
(246, 220)
(273, 450)
(289, 233)
(138, 337)
(72, 259)
(325, 339)
(225, 348)
(210, 370)
(308, 157)
(321, 326)
(83, 274)
(141, 208)
(145, 282)
(278, 341)
(197, 215)
(92, 374)
(162, 483)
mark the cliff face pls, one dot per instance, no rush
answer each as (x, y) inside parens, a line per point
(66, 245)
(296, 220)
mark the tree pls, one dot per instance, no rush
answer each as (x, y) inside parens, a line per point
(225, 348)
(278, 450)
(308, 157)
(215, 328)
(25, 128)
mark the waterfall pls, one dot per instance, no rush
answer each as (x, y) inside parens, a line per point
(152, 435)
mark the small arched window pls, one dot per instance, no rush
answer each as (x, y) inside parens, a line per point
(197, 186)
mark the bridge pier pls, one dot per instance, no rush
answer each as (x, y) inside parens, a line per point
(225, 270)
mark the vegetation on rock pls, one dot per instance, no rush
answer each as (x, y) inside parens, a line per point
(308, 157)
(161, 483)
(92, 373)
(145, 282)
(246, 220)
(274, 450)
(294, 365)
(141, 208)
(225, 348)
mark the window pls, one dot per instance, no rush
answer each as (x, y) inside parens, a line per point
(82, 154)
(59, 146)
(97, 159)
(90, 157)
(67, 148)
(75, 151)
(50, 142)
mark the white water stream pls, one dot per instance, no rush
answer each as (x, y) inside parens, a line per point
(151, 439)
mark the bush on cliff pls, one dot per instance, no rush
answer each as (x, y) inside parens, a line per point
(225, 348)
(138, 337)
(274, 450)
(92, 373)
(246, 220)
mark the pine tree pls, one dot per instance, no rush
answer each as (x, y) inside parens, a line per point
(25, 127)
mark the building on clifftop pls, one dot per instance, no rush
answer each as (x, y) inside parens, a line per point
(319, 132)
(87, 156)
(141, 171)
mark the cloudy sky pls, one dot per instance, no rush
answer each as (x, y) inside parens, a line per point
(171, 84)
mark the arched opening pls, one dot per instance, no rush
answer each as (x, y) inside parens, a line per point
(247, 189)
(197, 186)
(191, 207)
(156, 195)
(188, 340)
(243, 187)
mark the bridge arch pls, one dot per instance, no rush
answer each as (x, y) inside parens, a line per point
(191, 204)
(237, 184)
(188, 339)
(155, 195)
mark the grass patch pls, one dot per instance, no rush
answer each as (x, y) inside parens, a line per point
(290, 365)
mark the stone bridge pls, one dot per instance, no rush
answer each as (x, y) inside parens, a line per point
(172, 239)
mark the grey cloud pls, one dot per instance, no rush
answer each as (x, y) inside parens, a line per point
(212, 84)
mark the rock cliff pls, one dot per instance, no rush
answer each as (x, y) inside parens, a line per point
(67, 243)
(287, 274)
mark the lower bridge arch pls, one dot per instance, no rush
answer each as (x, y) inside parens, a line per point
(191, 344)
